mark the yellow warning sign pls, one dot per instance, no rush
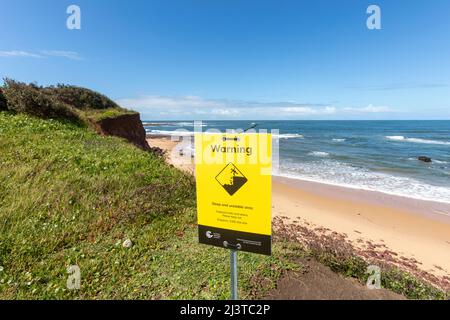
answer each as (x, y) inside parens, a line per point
(233, 173)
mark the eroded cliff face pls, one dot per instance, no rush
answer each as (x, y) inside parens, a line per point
(128, 126)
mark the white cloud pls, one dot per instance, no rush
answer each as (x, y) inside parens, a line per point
(72, 55)
(194, 107)
(157, 102)
(370, 109)
(225, 112)
(153, 106)
(309, 110)
(19, 54)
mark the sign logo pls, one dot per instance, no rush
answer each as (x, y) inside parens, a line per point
(231, 179)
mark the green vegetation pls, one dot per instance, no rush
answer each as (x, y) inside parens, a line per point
(58, 102)
(80, 98)
(69, 196)
(411, 287)
(2, 101)
(392, 278)
(98, 115)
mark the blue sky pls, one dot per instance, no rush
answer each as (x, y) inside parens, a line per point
(239, 59)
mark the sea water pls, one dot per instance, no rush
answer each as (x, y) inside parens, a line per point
(370, 155)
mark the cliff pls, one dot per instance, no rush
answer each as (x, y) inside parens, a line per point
(75, 104)
(127, 126)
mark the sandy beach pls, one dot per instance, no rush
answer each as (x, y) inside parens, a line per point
(406, 227)
(172, 149)
(412, 234)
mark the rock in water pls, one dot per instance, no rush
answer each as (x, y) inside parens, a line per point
(127, 243)
(425, 159)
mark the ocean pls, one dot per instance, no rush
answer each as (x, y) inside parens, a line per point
(369, 155)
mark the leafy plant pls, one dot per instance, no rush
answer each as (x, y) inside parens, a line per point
(2, 101)
(31, 99)
(80, 98)
(58, 102)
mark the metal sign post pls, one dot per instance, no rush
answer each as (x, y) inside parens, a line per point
(234, 274)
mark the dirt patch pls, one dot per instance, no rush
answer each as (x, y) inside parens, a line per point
(319, 282)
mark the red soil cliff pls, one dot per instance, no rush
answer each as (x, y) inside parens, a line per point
(128, 126)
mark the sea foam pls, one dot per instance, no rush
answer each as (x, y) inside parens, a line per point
(417, 140)
(288, 136)
(319, 154)
(340, 174)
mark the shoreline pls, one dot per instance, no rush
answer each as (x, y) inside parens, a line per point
(365, 189)
(435, 210)
(440, 206)
(417, 231)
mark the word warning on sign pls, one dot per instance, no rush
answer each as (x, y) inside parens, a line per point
(233, 174)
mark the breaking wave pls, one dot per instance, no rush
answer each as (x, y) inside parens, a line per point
(417, 140)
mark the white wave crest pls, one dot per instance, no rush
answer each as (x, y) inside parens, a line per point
(319, 154)
(417, 140)
(288, 136)
(170, 124)
(175, 133)
(336, 173)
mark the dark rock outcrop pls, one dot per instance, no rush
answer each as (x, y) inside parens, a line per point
(425, 159)
(128, 126)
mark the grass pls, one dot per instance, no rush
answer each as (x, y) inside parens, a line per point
(99, 115)
(69, 196)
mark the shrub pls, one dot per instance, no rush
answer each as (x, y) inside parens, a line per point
(80, 98)
(33, 100)
(61, 101)
(3, 105)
